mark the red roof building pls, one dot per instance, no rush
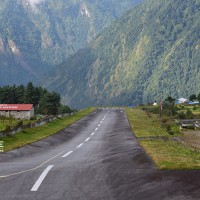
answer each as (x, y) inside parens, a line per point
(16, 107)
(18, 111)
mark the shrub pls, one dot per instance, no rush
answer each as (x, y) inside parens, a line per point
(195, 108)
(7, 129)
(33, 118)
(20, 123)
(181, 115)
(165, 119)
(189, 114)
(169, 129)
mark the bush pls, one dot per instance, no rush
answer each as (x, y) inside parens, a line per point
(165, 119)
(181, 115)
(169, 129)
(33, 118)
(20, 124)
(172, 129)
(7, 129)
(189, 114)
(195, 108)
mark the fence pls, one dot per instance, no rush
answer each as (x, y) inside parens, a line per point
(38, 123)
(187, 144)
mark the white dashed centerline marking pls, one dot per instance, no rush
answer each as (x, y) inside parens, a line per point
(80, 145)
(41, 178)
(92, 133)
(67, 154)
(96, 129)
(87, 139)
(99, 125)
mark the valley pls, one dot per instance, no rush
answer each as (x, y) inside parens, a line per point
(36, 36)
(149, 53)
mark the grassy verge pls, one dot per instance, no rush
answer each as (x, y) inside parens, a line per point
(166, 154)
(143, 125)
(34, 134)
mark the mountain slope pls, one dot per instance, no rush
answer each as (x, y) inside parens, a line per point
(37, 35)
(149, 53)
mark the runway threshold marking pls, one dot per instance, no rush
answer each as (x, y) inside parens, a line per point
(67, 154)
(41, 178)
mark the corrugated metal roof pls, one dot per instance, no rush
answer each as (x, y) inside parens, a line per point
(16, 107)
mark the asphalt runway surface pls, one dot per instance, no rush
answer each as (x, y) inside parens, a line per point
(97, 158)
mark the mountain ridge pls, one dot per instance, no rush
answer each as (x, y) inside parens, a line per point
(44, 34)
(149, 53)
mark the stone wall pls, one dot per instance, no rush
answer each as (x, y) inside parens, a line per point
(38, 123)
(18, 114)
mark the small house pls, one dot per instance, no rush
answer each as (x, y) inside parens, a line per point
(193, 103)
(182, 101)
(17, 111)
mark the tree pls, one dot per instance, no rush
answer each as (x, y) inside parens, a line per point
(198, 97)
(193, 97)
(53, 103)
(20, 91)
(28, 97)
(44, 102)
(65, 109)
(169, 101)
(49, 103)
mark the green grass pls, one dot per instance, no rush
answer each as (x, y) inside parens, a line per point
(144, 125)
(38, 133)
(171, 155)
(194, 108)
(166, 154)
(13, 123)
(4, 123)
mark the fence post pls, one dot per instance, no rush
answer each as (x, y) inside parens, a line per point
(1, 146)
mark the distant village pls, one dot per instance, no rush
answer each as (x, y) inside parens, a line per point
(183, 101)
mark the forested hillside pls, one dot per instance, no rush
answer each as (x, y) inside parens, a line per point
(36, 36)
(149, 53)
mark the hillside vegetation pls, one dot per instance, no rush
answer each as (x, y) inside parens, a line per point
(34, 38)
(149, 53)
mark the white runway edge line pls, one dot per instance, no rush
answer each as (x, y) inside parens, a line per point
(80, 145)
(41, 178)
(67, 154)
